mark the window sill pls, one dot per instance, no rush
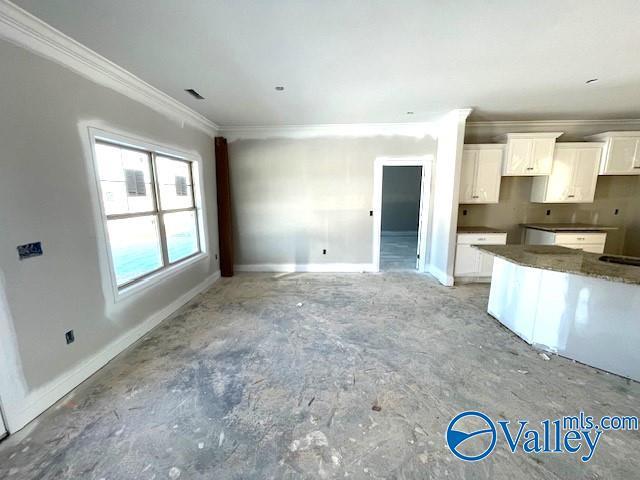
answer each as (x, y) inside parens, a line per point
(162, 275)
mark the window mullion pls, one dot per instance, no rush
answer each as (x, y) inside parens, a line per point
(195, 209)
(156, 196)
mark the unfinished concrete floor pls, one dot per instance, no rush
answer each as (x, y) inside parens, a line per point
(244, 383)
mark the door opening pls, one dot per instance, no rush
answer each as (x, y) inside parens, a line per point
(401, 209)
(400, 217)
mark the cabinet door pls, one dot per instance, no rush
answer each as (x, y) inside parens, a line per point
(518, 156)
(467, 261)
(559, 183)
(541, 156)
(621, 155)
(467, 177)
(636, 157)
(585, 175)
(488, 176)
(486, 265)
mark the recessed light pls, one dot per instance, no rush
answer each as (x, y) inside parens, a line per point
(279, 88)
(593, 80)
(409, 113)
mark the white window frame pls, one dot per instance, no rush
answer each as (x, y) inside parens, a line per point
(169, 269)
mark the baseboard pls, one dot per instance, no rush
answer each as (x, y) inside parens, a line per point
(394, 233)
(307, 267)
(44, 397)
(466, 280)
(442, 277)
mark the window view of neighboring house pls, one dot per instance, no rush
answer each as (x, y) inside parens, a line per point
(149, 203)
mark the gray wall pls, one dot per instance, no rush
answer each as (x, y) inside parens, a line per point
(45, 196)
(401, 198)
(292, 198)
(612, 192)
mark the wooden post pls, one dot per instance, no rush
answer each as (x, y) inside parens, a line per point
(225, 232)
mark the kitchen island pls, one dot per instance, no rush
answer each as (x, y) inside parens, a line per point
(569, 302)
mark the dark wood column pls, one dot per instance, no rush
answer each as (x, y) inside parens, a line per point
(225, 231)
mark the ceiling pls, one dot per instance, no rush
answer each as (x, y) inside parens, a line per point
(370, 61)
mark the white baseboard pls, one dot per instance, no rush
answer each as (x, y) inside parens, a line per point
(442, 277)
(398, 233)
(465, 280)
(307, 267)
(44, 397)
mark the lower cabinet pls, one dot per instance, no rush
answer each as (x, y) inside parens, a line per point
(472, 263)
(588, 241)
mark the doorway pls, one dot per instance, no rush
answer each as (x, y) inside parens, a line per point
(401, 207)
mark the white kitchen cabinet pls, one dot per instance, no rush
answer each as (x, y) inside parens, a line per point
(573, 175)
(588, 241)
(471, 262)
(529, 154)
(621, 153)
(481, 173)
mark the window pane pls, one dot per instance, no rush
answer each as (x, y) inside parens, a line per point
(174, 181)
(125, 179)
(182, 234)
(135, 247)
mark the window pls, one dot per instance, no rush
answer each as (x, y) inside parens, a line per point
(149, 202)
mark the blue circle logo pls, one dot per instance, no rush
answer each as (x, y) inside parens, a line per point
(483, 430)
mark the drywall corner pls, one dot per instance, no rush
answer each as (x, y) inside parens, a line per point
(446, 186)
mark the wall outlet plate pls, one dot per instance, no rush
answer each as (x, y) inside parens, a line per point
(29, 250)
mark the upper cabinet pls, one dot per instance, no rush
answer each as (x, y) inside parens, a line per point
(573, 176)
(529, 154)
(621, 153)
(480, 178)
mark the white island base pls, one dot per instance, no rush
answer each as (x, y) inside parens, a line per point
(591, 320)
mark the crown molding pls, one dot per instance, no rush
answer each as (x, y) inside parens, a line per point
(418, 130)
(515, 124)
(21, 28)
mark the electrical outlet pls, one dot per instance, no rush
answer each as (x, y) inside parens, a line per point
(616, 211)
(70, 337)
(548, 212)
(464, 212)
(324, 252)
(371, 213)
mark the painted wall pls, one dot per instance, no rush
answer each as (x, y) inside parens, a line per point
(574, 131)
(294, 197)
(445, 194)
(401, 198)
(612, 192)
(45, 196)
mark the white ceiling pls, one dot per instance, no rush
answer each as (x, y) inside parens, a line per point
(370, 60)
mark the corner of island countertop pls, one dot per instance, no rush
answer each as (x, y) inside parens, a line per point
(564, 260)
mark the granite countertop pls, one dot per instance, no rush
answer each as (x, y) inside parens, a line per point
(567, 260)
(479, 230)
(567, 227)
